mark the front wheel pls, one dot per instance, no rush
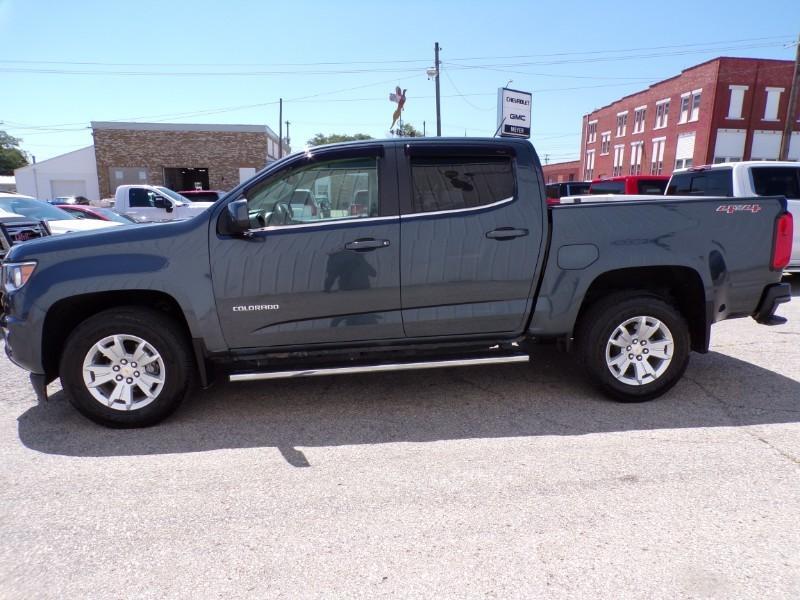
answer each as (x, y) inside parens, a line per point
(634, 348)
(126, 367)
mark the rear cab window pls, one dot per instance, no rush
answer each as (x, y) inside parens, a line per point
(577, 189)
(608, 187)
(651, 187)
(443, 184)
(777, 181)
(710, 182)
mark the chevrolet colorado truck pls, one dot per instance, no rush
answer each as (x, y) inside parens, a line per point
(423, 253)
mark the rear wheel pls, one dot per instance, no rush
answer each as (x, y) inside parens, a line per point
(126, 367)
(634, 348)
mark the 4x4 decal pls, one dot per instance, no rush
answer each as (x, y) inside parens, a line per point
(734, 208)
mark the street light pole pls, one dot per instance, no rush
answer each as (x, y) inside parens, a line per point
(280, 128)
(438, 96)
(792, 107)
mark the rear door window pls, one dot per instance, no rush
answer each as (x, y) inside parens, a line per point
(712, 182)
(777, 181)
(457, 183)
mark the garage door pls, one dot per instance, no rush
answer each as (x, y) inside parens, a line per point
(67, 187)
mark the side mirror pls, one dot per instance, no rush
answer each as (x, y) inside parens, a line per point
(238, 217)
(161, 202)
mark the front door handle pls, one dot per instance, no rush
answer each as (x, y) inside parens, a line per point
(366, 244)
(506, 233)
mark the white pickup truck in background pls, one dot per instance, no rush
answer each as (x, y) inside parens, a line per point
(745, 180)
(153, 203)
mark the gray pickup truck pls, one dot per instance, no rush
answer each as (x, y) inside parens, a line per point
(386, 255)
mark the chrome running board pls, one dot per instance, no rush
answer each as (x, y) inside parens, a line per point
(437, 364)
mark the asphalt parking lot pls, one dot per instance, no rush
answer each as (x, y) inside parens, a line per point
(513, 481)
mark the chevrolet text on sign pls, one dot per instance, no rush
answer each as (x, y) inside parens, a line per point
(514, 113)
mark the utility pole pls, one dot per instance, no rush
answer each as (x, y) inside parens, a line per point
(438, 96)
(424, 131)
(288, 139)
(791, 109)
(280, 128)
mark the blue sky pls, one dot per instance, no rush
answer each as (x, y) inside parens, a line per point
(334, 63)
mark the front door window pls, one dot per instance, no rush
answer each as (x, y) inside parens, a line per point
(328, 191)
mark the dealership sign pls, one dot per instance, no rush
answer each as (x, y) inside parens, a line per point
(513, 113)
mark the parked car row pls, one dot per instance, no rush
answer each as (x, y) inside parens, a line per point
(58, 220)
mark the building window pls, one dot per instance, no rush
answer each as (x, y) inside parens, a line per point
(589, 170)
(684, 151)
(737, 101)
(662, 113)
(622, 123)
(657, 157)
(619, 159)
(729, 146)
(773, 101)
(591, 132)
(766, 145)
(685, 100)
(695, 115)
(638, 119)
(636, 158)
(690, 106)
(605, 143)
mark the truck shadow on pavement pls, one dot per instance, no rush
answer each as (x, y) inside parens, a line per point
(541, 399)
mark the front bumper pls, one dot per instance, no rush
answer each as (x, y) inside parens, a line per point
(22, 340)
(773, 296)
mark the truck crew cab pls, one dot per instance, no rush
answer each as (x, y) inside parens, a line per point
(422, 252)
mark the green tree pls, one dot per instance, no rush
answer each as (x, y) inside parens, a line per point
(408, 130)
(335, 138)
(11, 157)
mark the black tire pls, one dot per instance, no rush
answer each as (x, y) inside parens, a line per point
(158, 330)
(603, 318)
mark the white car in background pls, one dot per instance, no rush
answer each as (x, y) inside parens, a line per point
(59, 221)
(744, 180)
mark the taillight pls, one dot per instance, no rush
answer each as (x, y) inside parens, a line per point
(553, 201)
(782, 249)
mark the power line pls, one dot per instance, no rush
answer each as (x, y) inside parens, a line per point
(500, 67)
(393, 61)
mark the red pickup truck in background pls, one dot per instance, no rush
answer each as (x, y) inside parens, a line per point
(630, 184)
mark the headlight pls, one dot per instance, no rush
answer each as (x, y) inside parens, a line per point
(15, 275)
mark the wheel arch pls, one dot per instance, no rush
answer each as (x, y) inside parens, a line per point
(681, 286)
(66, 314)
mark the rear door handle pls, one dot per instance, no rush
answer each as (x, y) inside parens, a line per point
(366, 244)
(506, 233)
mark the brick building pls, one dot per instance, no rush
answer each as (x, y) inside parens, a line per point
(725, 109)
(180, 156)
(722, 110)
(563, 171)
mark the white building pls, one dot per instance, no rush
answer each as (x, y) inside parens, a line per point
(70, 174)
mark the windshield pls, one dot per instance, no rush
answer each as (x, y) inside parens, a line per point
(112, 216)
(34, 209)
(203, 196)
(174, 195)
